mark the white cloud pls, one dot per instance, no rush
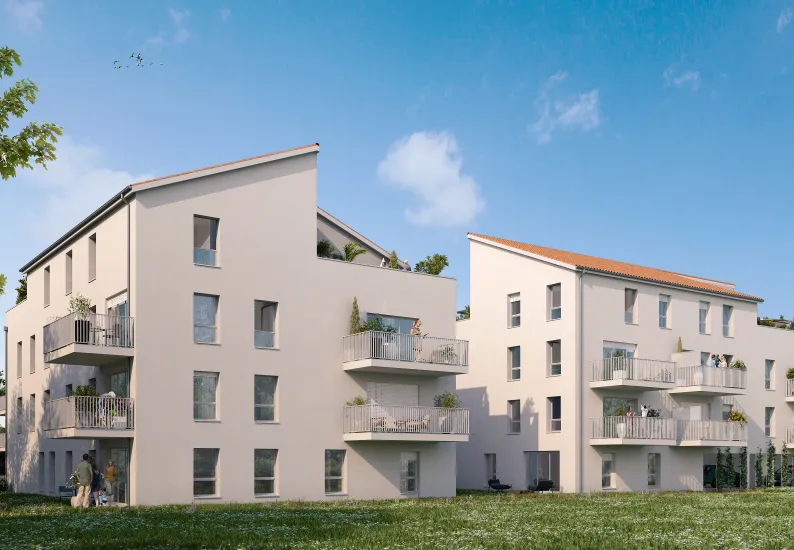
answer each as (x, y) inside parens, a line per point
(785, 18)
(27, 14)
(581, 111)
(181, 35)
(225, 14)
(690, 79)
(180, 19)
(428, 165)
(73, 186)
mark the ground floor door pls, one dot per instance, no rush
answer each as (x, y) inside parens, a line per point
(409, 474)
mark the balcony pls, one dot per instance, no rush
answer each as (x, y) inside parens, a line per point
(709, 381)
(635, 430)
(400, 423)
(790, 391)
(633, 374)
(394, 353)
(91, 339)
(264, 339)
(89, 418)
(711, 433)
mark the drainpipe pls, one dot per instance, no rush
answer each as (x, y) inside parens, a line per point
(129, 359)
(580, 441)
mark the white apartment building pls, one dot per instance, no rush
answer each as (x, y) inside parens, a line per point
(226, 343)
(562, 344)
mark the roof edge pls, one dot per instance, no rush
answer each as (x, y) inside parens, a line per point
(476, 238)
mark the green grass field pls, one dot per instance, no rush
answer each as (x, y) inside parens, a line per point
(763, 519)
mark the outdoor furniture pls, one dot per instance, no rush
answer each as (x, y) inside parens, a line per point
(64, 491)
(542, 486)
(498, 486)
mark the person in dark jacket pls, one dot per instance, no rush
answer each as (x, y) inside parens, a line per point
(96, 481)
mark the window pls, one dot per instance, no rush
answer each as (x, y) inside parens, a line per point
(32, 354)
(68, 273)
(46, 286)
(92, 257)
(68, 390)
(611, 405)
(401, 325)
(205, 318)
(265, 398)
(769, 426)
(514, 416)
(205, 395)
(20, 415)
(555, 358)
(630, 309)
(555, 413)
(46, 397)
(32, 413)
(664, 311)
(654, 469)
(555, 301)
(703, 318)
(726, 412)
(19, 359)
(53, 487)
(704, 358)
(92, 383)
(727, 321)
(67, 464)
(41, 472)
(514, 363)
(542, 466)
(409, 473)
(490, 466)
(265, 324)
(205, 472)
(205, 241)
(265, 471)
(769, 377)
(334, 472)
(608, 471)
(514, 311)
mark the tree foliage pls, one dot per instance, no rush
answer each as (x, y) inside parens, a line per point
(759, 468)
(352, 251)
(3, 281)
(432, 265)
(743, 468)
(770, 464)
(730, 470)
(465, 313)
(719, 476)
(394, 262)
(327, 250)
(355, 318)
(22, 289)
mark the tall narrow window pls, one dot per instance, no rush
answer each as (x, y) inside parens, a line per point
(555, 413)
(334, 471)
(46, 286)
(630, 306)
(703, 318)
(769, 425)
(19, 359)
(205, 472)
(67, 465)
(727, 321)
(514, 310)
(205, 395)
(92, 257)
(42, 467)
(409, 473)
(554, 357)
(68, 273)
(205, 319)
(20, 415)
(53, 487)
(265, 471)
(664, 311)
(205, 241)
(265, 398)
(514, 416)
(32, 413)
(769, 378)
(704, 358)
(265, 324)
(490, 466)
(32, 354)
(555, 301)
(654, 469)
(608, 471)
(514, 363)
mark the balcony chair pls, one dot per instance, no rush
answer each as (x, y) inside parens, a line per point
(498, 486)
(542, 486)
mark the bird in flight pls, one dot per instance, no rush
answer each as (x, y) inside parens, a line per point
(138, 61)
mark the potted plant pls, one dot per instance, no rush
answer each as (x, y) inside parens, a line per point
(447, 400)
(790, 374)
(737, 416)
(738, 364)
(620, 426)
(80, 306)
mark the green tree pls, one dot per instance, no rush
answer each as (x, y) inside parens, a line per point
(22, 289)
(394, 263)
(743, 468)
(719, 475)
(2, 385)
(770, 464)
(355, 318)
(465, 313)
(786, 470)
(327, 250)
(3, 281)
(432, 265)
(353, 251)
(730, 469)
(759, 469)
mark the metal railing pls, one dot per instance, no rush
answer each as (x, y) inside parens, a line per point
(718, 377)
(632, 368)
(402, 419)
(92, 329)
(633, 427)
(264, 339)
(405, 347)
(204, 256)
(711, 430)
(116, 413)
(790, 388)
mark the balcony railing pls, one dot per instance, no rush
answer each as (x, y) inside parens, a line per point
(631, 368)
(633, 427)
(91, 329)
(111, 413)
(700, 375)
(407, 420)
(264, 339)
(789, 435)
(790, 388)
(204, 256)
(405, 347)
(711, 430)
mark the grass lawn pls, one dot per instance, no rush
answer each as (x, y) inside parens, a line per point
(762, 519)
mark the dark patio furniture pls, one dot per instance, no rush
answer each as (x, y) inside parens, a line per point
(542, 486)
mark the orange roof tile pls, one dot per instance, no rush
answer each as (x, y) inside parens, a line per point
(622, 268)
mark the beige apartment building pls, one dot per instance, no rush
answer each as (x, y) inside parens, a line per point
(220, 349)
(564, 346)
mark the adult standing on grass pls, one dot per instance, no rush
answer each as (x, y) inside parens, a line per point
(84, 477)
(110, 480)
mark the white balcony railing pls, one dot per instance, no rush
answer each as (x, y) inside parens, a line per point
(790, 388)
(92, 329)
(633, 427)
(632, 368)
(117, 413)
(264, 339)
(401, 419)
(711, 430)
(700, 375)
(405, 347)
(789, 435)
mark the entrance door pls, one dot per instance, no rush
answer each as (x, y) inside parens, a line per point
(121, 460)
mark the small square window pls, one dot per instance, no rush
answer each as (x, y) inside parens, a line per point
(514, 310)
(205, 241)
(514, 363)
(555, 301)
(514, 416)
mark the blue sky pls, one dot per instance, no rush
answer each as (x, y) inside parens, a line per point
(655, 135)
